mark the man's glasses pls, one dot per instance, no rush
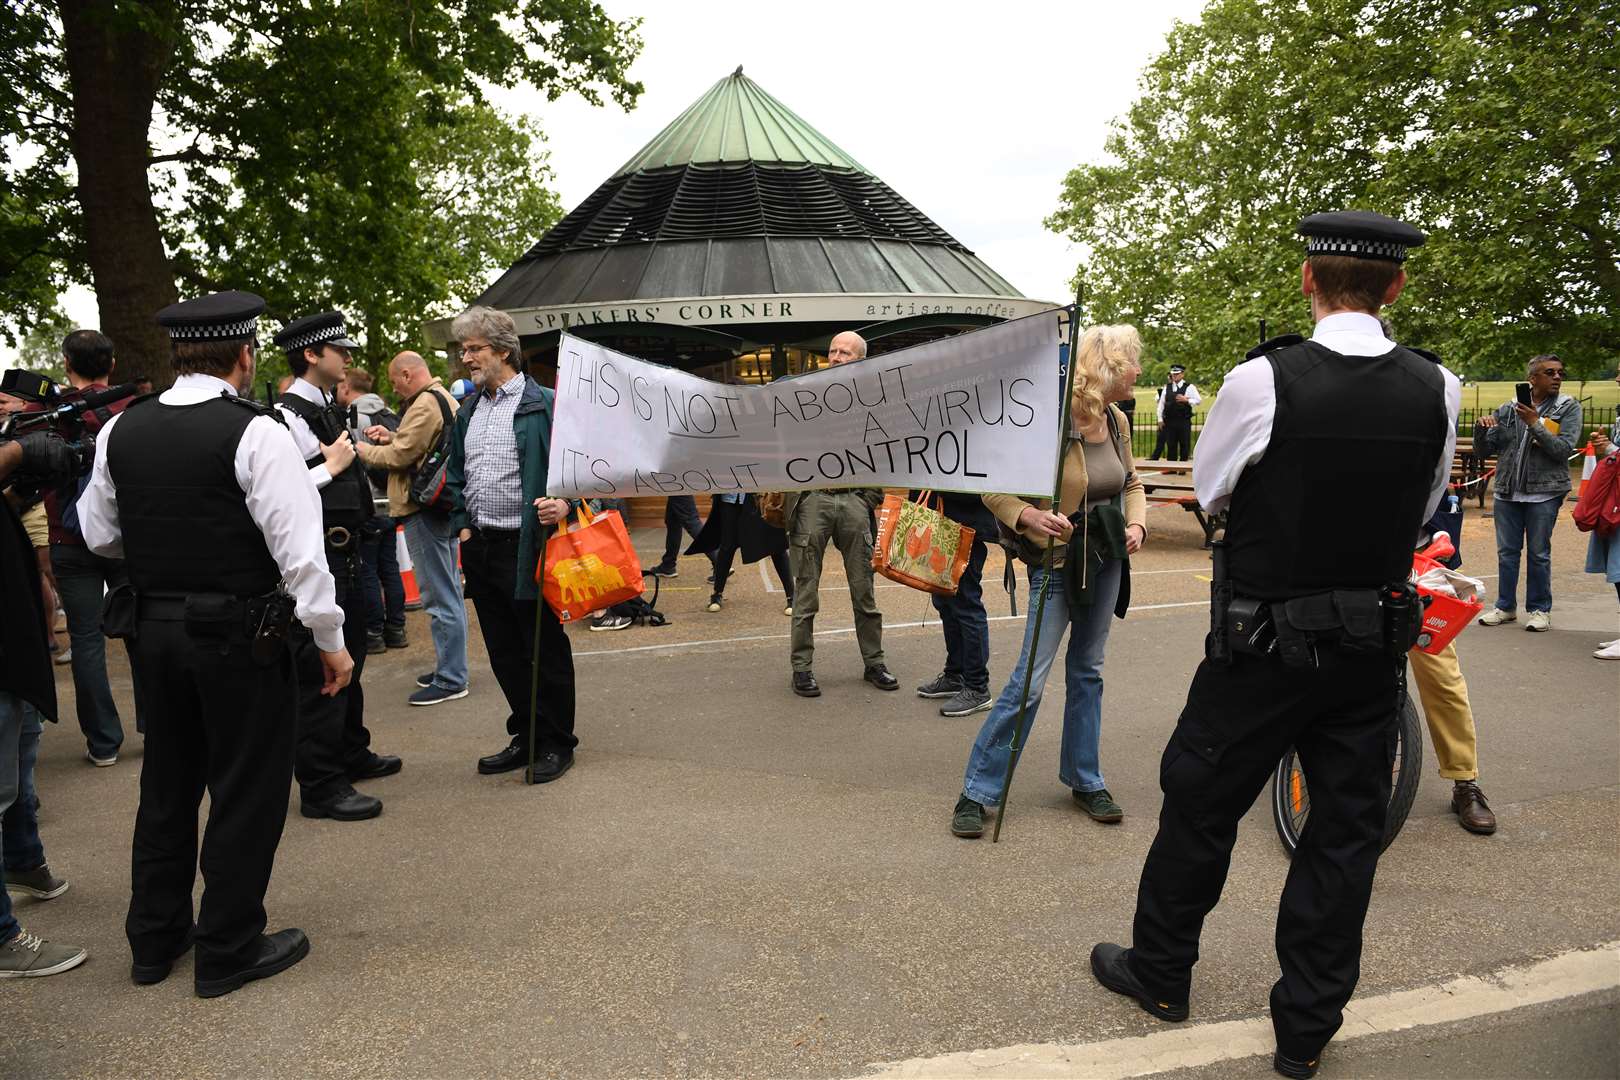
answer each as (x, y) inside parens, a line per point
(474, 350)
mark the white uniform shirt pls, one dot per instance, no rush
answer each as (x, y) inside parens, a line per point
(280, 498)
(1194, 398)
(308, 445)
(1238, 428)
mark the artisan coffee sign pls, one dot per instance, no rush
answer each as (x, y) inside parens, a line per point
(854, 309)
(975, 413)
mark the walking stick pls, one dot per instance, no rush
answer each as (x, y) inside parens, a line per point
(534, 661)
(1019, 730)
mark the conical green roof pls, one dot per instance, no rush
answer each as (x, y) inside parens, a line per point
(737, 121)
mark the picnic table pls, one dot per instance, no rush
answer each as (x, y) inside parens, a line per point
(1169, 483)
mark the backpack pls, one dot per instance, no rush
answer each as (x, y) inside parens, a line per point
(642, 611)
(1598, 509)
(429, 480)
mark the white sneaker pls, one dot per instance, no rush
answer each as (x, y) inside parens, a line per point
(1611, 651)
(1606, 644)
(101, 762)
(1538, 621)
(1496, 617)
(788, 610)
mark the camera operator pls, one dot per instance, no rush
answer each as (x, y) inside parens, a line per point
(82, 576)
(27, 691)
(29, 392)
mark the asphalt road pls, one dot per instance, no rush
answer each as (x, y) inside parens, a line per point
(736, 882)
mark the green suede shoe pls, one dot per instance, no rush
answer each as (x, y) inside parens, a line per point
(968, 820)
(1099, 806)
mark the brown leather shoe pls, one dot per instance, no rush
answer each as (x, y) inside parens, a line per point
(1473, 813)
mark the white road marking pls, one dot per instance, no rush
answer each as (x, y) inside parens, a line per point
(837, 630)
(1567, 975)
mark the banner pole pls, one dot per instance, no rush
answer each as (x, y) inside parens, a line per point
(1019, 725)
(534, 661)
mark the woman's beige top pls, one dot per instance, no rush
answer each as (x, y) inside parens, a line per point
(1075, 484)
(1105, 473)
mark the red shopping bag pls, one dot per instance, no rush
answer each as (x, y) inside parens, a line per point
(589, 567)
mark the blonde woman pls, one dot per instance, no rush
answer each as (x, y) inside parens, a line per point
(1099, 522)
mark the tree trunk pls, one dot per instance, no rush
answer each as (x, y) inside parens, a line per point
(116, 54)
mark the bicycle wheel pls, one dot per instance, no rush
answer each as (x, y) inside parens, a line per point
(1291, 797)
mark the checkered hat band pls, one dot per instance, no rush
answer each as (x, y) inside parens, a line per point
(215, 331)
(315, 337)
(1338, 245)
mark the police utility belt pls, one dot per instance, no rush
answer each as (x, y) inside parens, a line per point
(1299, 630)
(216, 619)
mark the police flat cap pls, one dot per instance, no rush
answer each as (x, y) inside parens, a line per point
(1177, 369)
(1359, 234)
(222, 316)
(325, 328)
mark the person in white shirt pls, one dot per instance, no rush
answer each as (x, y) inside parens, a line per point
(1177, 400)
(205, 497)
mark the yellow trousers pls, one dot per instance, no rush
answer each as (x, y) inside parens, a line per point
(1444, 695)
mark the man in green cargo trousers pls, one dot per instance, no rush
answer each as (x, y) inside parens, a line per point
(843, 516)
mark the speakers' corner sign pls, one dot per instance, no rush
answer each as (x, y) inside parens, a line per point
(974, 413)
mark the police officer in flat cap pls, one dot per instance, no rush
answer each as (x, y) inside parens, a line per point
(1311, 621)
(334, 747)
(203, 494)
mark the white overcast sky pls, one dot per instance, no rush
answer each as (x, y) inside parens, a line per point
(973, 113)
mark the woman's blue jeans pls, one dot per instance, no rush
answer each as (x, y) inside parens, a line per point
(20, 847)
(1078, 764)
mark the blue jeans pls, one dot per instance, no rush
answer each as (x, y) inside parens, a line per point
(20, 846)
(82, 577)
(1078, 765)
(1526, 526)
(967, 628)
(379, 578)
(433, 545)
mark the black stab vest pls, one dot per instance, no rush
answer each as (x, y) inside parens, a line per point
(184, 518)
(1176, 412)
(1338, 497)
(346, 501)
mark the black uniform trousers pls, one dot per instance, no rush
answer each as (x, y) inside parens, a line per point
(1238, 721)
(1175, 440)
(490, 564)
(215, 720)
(332, 737)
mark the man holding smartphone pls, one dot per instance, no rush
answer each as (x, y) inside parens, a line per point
(1532, 439)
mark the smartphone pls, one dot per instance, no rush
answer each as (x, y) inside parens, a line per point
(1522, 392)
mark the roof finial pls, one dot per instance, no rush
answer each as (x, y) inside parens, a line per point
(738, 73)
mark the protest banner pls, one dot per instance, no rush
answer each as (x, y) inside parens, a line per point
(977, 413)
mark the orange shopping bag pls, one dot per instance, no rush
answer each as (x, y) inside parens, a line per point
(590, 567)
(919, 546)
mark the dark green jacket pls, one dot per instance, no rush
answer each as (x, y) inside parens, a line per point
(531, 428)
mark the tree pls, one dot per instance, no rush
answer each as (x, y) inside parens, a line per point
(1492, 125)
(321, 154)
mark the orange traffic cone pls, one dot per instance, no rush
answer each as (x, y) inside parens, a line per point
(1588, 466)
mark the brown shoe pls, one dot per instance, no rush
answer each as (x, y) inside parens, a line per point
(1473, 813)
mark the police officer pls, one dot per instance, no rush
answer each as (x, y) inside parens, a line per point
(1177, 399)
(1293, 429)
(334, 747)
(203, 494)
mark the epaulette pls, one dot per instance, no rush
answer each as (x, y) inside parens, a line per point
(1282, 341)
(1426, 354)
(258, 408)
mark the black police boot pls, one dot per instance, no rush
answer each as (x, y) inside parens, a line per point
(277, 952)
(805, 685)
(346, 804)
(1298, 1070)
(1111, 965)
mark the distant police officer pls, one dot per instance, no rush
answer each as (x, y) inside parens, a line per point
(1311, 624)
(334, 747)
(1177, 399)
(204, 495)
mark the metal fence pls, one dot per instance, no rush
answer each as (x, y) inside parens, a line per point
(1145, 425)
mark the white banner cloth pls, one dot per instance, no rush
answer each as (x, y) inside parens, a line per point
(977, 412)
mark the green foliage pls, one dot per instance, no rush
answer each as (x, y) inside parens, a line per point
(40, 349)
(322, 153)
(1492, 126)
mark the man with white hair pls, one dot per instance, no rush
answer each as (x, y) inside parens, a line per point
(843, 516)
